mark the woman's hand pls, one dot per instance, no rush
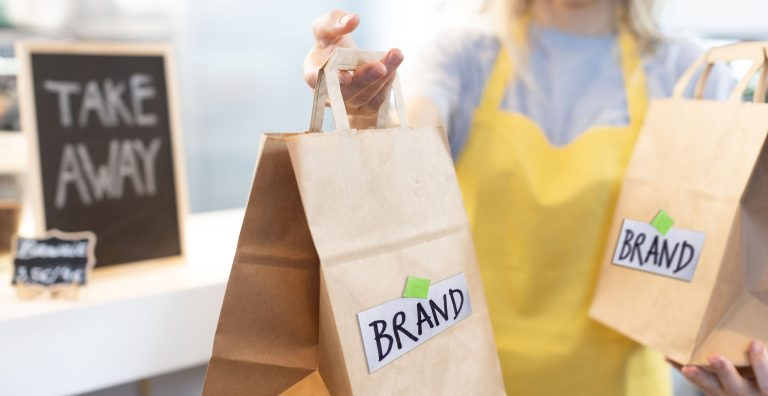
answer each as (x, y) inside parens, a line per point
(364, 89)
(726, 380)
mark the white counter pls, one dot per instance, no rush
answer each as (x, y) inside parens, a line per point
(131, 322)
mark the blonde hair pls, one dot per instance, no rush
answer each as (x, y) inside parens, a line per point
(639, 16)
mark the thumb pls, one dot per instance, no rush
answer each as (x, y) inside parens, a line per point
(331, 27)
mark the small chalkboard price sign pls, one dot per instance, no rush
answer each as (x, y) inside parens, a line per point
(105, 152)
(57, 261)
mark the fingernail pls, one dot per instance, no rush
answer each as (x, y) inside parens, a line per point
(756, 347)
(716, 362)
(394, 57)
(689, 372)
(344, 19)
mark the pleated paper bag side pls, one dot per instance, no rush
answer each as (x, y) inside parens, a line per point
(741, 298)
(310, 385)
(726, 293)
(383, 205)
(267, 335)
(701, 190)
(754, 212)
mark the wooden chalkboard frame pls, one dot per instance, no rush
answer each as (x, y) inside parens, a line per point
(28, 117)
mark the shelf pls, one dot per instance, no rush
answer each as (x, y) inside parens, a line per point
(131, 322)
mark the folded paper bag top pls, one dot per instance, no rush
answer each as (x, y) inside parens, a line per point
(334, 225)
(701, 287)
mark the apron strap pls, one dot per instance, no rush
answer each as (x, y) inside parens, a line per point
(635, 88)
(496, 86)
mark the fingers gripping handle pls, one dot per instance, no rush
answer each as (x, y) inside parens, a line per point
(328, 87)
(754, 51)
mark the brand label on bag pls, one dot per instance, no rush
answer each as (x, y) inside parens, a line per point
(674, 254)
(392, 329)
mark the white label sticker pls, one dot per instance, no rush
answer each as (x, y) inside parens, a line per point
(675, 254)
(391, 329)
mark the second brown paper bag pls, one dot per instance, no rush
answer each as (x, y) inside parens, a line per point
(701, 286)
(335, 224)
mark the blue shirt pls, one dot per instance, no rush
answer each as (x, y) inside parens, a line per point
(577, 80)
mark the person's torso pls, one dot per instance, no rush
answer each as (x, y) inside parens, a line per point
(539, 213)
(575, 80)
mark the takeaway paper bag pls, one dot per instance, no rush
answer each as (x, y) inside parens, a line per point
(335, 224)
(684, 269)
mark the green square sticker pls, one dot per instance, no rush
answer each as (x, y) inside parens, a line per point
(416, 287)
(663, 222)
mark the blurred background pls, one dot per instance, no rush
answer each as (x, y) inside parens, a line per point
(239, 62)
(239, 69)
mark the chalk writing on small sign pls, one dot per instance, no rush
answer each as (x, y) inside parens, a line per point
(392, 329)
(641, 246)
(56, 259)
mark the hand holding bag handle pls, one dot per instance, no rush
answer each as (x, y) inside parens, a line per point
(328, 87)
(754, 51)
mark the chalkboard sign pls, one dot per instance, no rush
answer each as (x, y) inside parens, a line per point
(105, 153)
(57, 259)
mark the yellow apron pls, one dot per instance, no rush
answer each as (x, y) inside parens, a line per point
(540, 217)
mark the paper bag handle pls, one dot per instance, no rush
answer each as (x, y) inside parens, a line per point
(754, 51)
(328, 87)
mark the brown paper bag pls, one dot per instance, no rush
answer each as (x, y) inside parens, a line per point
(702, 287)
(335, 223)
